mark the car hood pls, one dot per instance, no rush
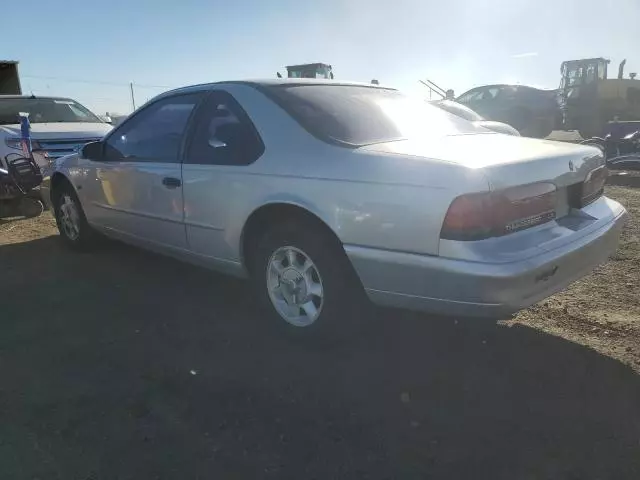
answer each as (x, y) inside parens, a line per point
(60, 130)
(505, 160)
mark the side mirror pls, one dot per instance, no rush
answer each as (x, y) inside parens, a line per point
(93, 151)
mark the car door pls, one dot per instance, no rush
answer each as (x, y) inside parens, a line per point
(138, 182)
(223, 143)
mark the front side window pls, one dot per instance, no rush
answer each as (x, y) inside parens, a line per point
(591, 73)
(353, 115)
(574, 76)
(155, 134)
(224, 134)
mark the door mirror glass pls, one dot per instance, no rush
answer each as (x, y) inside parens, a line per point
(93, 151)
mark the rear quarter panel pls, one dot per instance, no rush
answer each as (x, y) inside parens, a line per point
(366, 209)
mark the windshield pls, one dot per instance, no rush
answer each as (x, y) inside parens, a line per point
(44, 110)
(357, 115)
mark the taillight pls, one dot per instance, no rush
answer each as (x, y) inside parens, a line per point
(593, 186)
(492, 214)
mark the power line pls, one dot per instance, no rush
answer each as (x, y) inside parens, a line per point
(97, 82)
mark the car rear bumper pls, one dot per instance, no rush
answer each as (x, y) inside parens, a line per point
(487, 289)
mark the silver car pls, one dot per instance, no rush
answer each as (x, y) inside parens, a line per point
(320, 190)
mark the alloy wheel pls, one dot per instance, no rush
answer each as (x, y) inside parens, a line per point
(69, 217)
(295, 286)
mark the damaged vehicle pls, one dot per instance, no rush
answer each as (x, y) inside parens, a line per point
(322, 192)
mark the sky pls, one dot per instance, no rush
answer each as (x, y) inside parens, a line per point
(92, 50)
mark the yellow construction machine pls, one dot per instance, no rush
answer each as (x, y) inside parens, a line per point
(590, 101)
(309, 70)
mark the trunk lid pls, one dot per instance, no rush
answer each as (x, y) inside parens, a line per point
(506, 161)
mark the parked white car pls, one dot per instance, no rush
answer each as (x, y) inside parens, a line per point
(319, 190)
(59, 126)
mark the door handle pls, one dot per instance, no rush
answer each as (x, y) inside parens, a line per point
(171, 182)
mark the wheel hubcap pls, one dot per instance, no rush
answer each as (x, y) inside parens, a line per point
(295, 286)
(69, 217)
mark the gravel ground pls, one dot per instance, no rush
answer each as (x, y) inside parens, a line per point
(603, 309)
(122, 364)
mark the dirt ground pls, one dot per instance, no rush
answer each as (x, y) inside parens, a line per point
(123, 364)
(602, 310)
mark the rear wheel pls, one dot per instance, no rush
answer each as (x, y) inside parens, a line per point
(74, 230)
(304, 279)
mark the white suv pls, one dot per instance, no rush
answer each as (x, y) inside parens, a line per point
(59, 126)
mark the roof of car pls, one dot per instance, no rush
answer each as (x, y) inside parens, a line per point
(275, 82)
(303, 81)
(516, 85)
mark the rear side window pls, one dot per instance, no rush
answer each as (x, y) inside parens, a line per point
(223, 134)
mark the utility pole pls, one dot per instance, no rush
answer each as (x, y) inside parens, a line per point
(133, 98)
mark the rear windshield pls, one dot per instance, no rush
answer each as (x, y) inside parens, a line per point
(44, 110)
(353, 115)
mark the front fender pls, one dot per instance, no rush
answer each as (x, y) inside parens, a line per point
(64, 168)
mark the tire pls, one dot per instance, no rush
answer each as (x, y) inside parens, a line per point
(74, 230)
(328, 282)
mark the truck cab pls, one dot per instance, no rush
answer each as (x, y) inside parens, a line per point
(310, 70)
(590, 101)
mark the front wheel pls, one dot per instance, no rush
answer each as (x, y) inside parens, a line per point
(304, 279)
(74, 230)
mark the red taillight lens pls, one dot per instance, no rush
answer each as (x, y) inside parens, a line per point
(469, 218)
(593, 186)
(482, 215)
